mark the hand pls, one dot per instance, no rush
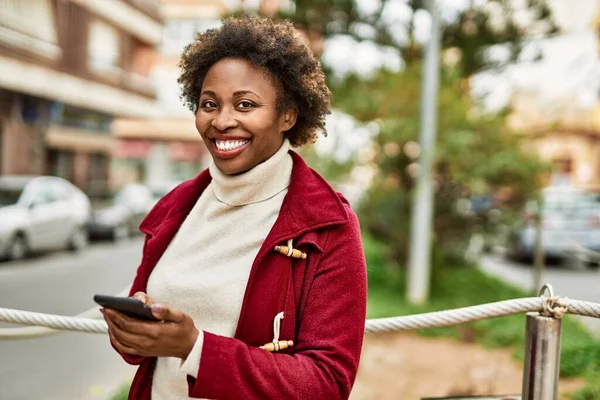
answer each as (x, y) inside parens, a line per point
(173, 336)
(143, 297)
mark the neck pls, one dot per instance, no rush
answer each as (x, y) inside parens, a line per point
(258, 184)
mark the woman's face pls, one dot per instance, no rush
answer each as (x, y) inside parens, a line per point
(237, 115)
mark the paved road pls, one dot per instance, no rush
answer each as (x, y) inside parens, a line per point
(569, 281)
(67, 366)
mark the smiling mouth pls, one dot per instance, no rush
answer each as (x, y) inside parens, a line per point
(230, 145)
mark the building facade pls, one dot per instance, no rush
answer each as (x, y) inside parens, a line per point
(557, 103)
(68, 68)
(563, 135)
(167, 148)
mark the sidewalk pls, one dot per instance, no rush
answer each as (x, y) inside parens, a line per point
(567, 282)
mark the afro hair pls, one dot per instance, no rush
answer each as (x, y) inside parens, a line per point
(276, 47)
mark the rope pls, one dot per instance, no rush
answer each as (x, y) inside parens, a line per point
(37, 331)
(53, 321)
(552, 305)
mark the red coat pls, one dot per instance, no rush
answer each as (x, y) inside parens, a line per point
(323, 297)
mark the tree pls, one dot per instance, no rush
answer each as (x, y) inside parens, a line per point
(471, 32)
(475, 155)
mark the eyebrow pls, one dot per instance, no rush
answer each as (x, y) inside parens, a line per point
(235, 94)
(243, 92)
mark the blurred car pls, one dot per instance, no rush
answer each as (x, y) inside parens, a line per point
(41, 213)
(122, 218)
(570, 220)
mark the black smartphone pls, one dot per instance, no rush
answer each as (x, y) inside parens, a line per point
(129, 306)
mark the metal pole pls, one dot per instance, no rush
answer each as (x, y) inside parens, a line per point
(538, 257)
(422, 215)
(542, 358)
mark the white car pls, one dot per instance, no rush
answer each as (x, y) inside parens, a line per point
(570, 220)
(41, 213)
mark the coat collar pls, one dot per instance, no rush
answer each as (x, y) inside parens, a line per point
(311, 203)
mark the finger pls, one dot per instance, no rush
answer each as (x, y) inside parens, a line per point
(139, 343)
(121, 347)
(143, 297)
(166, 314)
(130, 325)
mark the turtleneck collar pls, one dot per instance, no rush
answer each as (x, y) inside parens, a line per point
(258, 184)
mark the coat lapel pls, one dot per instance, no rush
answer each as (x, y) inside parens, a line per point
(310, 204)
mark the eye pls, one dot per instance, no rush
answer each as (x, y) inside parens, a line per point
(209, 104)
(245, 105)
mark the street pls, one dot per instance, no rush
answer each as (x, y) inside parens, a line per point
(567, 281)
(68, 365)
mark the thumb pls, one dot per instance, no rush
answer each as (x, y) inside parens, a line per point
(143, 297)
(166, 314)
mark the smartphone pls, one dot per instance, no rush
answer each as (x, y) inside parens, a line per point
(129, 306)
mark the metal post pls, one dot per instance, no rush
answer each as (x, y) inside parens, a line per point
(542, 358)
(538, 257)
(422, 215)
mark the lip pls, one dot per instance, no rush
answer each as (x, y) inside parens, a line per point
(227, 154)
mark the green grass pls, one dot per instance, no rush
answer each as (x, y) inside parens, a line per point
(122, 393)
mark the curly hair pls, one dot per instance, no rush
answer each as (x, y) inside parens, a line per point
(276, 47)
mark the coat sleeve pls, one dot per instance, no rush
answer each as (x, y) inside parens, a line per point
(329, 341)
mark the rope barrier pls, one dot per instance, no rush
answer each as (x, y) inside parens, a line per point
(41, 331)
(550, 306)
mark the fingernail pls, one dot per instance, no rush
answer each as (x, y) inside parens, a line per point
(157, 308)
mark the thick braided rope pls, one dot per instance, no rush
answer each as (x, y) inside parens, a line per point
(53, 321)
(40, 331)
(551, 306)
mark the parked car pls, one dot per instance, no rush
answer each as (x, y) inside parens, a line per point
(41, 213)
(122, 218)
(570, 221)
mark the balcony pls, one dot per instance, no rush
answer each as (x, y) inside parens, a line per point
(152, 8)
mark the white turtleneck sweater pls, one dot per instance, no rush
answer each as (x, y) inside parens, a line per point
(205, 269)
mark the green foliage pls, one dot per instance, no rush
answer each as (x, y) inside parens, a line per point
(471, 32)
(591, 391)
(122, 393)
(466, 286)
(475, 154)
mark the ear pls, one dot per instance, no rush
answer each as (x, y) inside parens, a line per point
(288, 119)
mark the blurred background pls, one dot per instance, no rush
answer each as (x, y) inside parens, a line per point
(92, 134)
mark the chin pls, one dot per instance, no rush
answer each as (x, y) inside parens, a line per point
(231, 168)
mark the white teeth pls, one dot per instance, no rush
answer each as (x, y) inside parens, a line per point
(226, 145)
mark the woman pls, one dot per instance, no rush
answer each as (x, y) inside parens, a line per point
(255, 267)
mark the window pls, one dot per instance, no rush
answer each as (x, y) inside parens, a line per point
(60, 163)
(9, 195)
(98, 172)
(60, 191)
(178, 33)
(104, 50)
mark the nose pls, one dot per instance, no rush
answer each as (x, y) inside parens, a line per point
(224, 119)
